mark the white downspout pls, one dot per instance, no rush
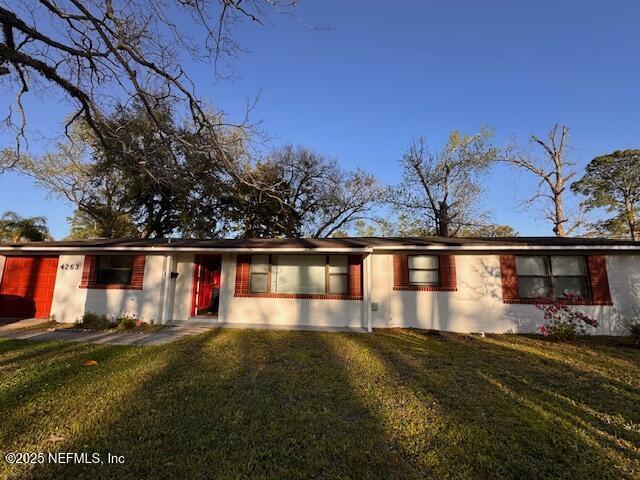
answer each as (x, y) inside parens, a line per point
(366, 272)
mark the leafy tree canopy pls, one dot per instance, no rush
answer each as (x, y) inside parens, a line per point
(612, 182)
(14, 228)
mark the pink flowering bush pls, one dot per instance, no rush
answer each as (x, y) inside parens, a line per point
(564, 322)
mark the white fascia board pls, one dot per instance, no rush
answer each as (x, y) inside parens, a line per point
(376, 249)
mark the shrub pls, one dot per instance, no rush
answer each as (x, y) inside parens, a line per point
(94, 321)
(126, 323)
(564, 322)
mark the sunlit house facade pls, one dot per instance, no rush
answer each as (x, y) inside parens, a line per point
(462, 285)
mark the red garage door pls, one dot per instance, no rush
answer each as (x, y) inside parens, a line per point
(27, 286)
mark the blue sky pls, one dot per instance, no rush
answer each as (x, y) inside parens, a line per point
(387, 71)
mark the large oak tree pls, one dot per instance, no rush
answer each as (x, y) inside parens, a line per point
(99, 54)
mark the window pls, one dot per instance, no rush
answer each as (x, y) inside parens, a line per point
(338, 274)
(299, 274)
(424, 270)
(259, 282)
(114, 269)
(551, 277)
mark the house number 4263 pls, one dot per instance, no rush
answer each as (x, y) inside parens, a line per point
(70, 266)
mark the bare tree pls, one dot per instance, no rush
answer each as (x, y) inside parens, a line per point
(440, 192)
(70, 174)
(553, 172)
(104, 53)
(318, 197)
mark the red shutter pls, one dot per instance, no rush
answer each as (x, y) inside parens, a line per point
(509, 277)
(355, 276)
(137, 272)
(88, 272)
(400, 270)
(448, 281)
(599, 279)
(242, 275)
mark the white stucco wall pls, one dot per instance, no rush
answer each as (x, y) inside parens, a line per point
(2, 257)
(70, 301)
(477, 304)
(184, 264)
(270, 311)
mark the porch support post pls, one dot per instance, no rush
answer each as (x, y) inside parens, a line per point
(168, 292)
(366, 284)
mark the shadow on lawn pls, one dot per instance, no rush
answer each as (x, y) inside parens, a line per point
(267, 404)
(238, 404)
(509, 413)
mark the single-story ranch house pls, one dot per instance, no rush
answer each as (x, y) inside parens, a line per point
(455, 284)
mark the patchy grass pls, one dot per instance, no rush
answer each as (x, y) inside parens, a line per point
(265, 404)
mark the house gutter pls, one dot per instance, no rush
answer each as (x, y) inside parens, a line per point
(507, 248)
(374, 249)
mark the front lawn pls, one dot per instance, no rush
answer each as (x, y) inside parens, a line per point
(266, 404)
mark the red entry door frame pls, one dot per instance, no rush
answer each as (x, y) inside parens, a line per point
(206, 286)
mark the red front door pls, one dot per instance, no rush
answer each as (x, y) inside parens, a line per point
(27, 286)
(207, 284)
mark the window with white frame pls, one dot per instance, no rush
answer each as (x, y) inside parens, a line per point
(259, 280)
(338, 274)
(424, 270)
(544, 276)
(299, 274)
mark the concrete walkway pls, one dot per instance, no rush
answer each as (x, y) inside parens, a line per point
(24, 330)
(161, 337)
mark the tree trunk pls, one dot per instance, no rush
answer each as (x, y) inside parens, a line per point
(631, 218)
(558, 227)
(443, 220)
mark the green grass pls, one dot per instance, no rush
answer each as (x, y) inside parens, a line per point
(265, 404)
